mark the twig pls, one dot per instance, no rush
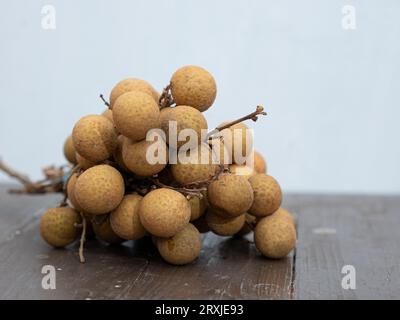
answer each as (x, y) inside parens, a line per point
(105, 101)
(251, 116)
(82, 241)
(15, 174)
(166, 99)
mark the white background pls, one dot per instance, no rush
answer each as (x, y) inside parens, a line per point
(332, 95)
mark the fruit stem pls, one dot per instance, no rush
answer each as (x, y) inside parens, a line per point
(166, 99)
(82, 241)
(251, 116)
(105, 101)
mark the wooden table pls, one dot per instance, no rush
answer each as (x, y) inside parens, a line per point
(333, 231)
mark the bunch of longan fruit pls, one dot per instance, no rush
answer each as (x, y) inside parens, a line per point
(113, 192)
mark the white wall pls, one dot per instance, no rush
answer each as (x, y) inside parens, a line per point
(332, 94)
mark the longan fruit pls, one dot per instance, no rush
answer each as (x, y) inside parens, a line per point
(246, 229)
(238, 137)
(274, 236)
(71, 191)
(118, 153)
(193, 86)
(58, 226)
(69, 150)
(182, 248)
(125, 220)
(135, 113)
(94, 138)
(197, 207)
(186, 118)
(284, 214)
(242, 170)
(230, 193)
(83, 162)
(260, 166)
(99, 189)
(221, 152)
(135, 157)
(267, 195)
(164, 212)
(193, 169)
(132, 84)
(224, 226)
(103, 231)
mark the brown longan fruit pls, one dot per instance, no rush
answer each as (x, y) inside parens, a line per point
(164, 212)
(183, 248)
(237, 137)
(132, 84)
(230, 193)
(267, 195)
(186, 118)
(260, 166)
(125, 220)
(224, 226)
(193, 86)
(83, 162)
(71, 191)
(94, 138)
(58, 226)
(69, 150)
(284, 214)
(103, 231)
(197, 207)
(99, 189)
(193, 169)
(221, 152)
(135, 113)
(275, 236)
(135, 157)
(242, 170)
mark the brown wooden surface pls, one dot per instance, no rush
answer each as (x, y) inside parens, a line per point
(333, 231)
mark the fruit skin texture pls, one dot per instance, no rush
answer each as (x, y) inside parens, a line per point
(193, 170)
(69, 150)
(94, 138)
(284, 214)
(57, 226)
(108, 114)
(84, 163)
(71, 192)
(135, 113)
(197, 207)
(235, 137)
(230, 193)
(118, 153)
(134, 157)
(132, 84)
(186, 118)
(267, 195)
(275, 237)
(242, 170)
(99, 189)
(260, 166)
(224, 226)
(104, 232)
(125, 220)
(164, 212)
(182, 248)
(193, 86)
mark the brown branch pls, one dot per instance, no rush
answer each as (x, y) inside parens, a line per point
(166, 99)
(15, 174)
(105, 101)
(251, 116)
(82, 240)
